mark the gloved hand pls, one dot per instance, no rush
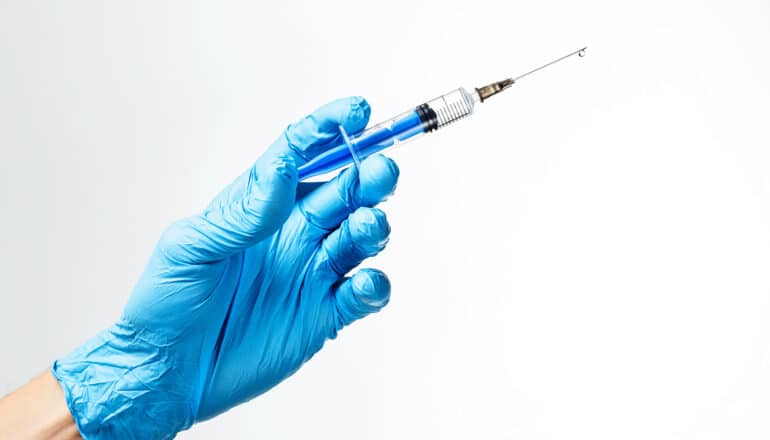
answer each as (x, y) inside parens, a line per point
(236, 299)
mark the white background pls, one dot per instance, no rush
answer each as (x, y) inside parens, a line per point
(585, 258)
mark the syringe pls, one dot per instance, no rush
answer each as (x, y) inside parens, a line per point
(424, 118)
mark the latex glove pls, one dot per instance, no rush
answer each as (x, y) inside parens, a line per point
(236, 299)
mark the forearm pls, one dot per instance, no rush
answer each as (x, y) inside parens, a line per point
(37, 410)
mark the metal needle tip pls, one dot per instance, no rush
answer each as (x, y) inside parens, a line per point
(579, 52)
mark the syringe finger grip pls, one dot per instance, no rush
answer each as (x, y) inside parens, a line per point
(351, 149)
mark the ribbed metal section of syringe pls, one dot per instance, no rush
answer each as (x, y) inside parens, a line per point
(451, 107)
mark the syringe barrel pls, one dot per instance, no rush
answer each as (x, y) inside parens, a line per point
(424, 118)
(453, 106)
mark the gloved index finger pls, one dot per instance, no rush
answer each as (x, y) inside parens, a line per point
(319, 131)
(368, 185)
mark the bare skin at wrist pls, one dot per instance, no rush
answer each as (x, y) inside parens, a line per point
(37, 410)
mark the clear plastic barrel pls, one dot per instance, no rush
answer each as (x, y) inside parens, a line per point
(427, 117)
(453, 106)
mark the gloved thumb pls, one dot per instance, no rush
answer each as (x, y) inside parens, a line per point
(259, 201)
(261, 209)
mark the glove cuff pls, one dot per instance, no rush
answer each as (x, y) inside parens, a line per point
(119, 385)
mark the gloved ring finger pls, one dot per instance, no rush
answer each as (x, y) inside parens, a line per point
(363, 235)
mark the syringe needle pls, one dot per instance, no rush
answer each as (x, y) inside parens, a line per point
(497, 87)
(579, 52)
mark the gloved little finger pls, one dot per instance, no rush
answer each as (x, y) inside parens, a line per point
(366, 292)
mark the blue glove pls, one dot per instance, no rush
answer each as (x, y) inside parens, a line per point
(236, 299)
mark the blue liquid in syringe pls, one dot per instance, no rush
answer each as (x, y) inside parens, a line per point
(368, 142)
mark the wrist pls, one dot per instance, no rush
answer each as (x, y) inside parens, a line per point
(37, 411)
(121, 385)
